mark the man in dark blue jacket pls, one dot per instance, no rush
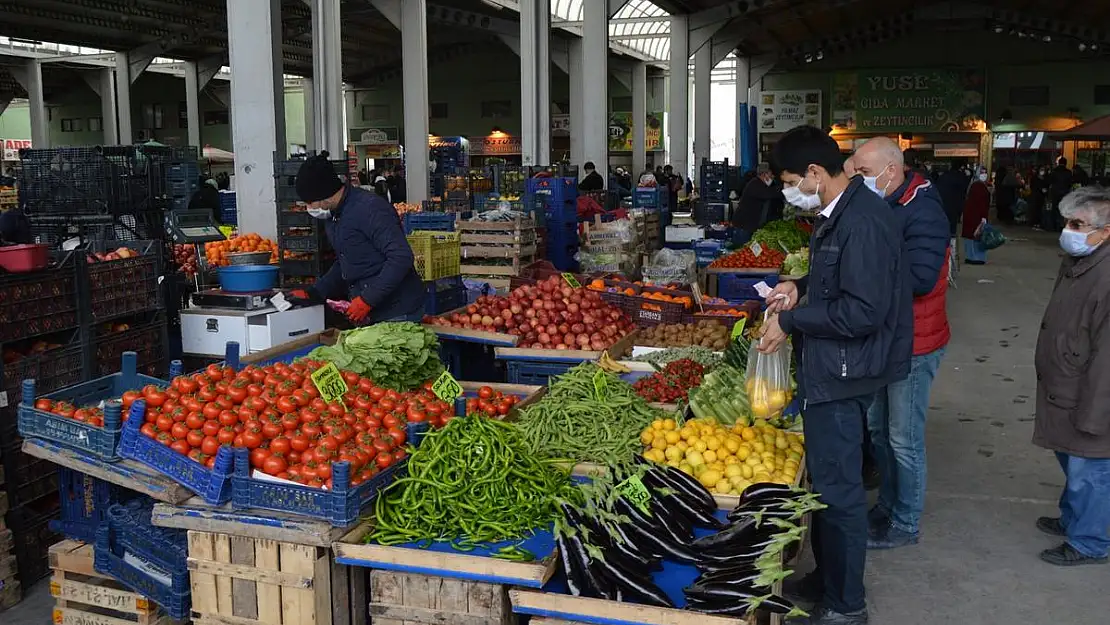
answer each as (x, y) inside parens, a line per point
(856, 330)
(374, 263)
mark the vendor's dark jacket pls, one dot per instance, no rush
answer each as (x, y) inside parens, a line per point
(760, 203)
(592, 182)
(373, 257)
(857, 325)
(1073, 360)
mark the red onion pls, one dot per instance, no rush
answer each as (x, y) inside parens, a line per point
(544, 338)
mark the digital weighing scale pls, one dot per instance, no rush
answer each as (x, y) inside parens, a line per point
(192, 226)
(217, 298)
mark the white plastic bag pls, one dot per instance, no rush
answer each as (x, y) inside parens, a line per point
(768, 382)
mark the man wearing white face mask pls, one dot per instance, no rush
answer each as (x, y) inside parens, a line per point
(897, 418)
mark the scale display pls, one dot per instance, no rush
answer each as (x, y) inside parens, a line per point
(193, 226)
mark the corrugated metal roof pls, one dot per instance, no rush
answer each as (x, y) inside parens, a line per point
(650, 36)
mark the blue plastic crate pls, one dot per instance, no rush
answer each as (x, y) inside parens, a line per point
(169, 589)
(85, 501)
(132, 531)
(558, 190)
(535, 372)
(340, 506)
(707, 250)
(98, 441)
(444, 295)
(213, 485)
(443, 222)
(711, 212)
(182, 171)
(650, 197)
(736, 288)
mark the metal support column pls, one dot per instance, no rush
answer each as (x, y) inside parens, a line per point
(703, 76)
(192, 103)
(595, 92)
(40, 136)
(414, 86)
(123, 81)
(678, 120)
(535, 81)
(639, 118)
(308, 91)
(577, 104)
(327, 71)
(257, 108)
(108, 109)
(743, 84)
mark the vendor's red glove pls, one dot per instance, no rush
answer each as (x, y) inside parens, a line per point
(300, 294)
(359, 310)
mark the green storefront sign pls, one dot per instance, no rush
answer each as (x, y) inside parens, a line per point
(921, 100)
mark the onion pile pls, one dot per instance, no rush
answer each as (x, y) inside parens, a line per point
(548, 315)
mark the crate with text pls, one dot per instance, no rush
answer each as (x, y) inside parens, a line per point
(85, 596)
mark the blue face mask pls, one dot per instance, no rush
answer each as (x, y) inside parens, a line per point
(1075, 243)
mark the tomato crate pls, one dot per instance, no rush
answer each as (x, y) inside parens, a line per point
(167, 588)
(97, 441)
(52, 369)
(110, 288)
(85, 501)
(39, 302)
(213, 485)
(145, 335)
(340, 506)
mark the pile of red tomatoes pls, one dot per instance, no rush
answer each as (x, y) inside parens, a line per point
(276, 412)
(92, 415)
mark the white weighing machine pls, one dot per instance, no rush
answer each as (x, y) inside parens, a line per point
(216, 317)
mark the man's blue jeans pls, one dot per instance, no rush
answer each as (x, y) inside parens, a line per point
(1085, 504)
(897, 424)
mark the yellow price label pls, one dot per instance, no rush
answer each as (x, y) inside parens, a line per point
(227, 231)
(329, 381)
(571, 280)
(447, 388)
(636, 493)
(738, 328)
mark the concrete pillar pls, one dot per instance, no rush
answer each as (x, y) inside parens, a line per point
(678, 120)
(192, 103)
(327, 71)
(414, 86)
(595, 77)
(32, 83)
(108, 109)
(639, 118)
(308, 92)
(577, 104)
(743, 99)
(257, 108)
(535, 81)
(124, 127)
(703, 76)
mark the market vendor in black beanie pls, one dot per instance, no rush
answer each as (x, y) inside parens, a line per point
(374, 263)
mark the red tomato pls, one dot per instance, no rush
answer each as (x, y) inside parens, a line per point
(252, 439)
(258, 456)
(274, 464)
(398, 435)
(209, 445)
(180, 447)
(211, 427)
(226, 436)
(128, 398)
(214, 372)
(237, 394)
(377, 393)
(46, 404)
(399, 455)
(485, 392)
(286, 405)
(299, 442)
(194, 438)
(383, 460)
(416, 415)
(323, 470)
(156, 397)
(280, 445)
(148, 429)
(164, 423)
(194, 421)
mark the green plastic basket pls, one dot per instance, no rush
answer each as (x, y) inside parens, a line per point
(437, 253)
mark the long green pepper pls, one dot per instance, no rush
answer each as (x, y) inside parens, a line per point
(474, 481)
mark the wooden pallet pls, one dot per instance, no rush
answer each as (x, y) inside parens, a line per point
(85, 597)
(510, 268)
(413, 599)
(237, 580)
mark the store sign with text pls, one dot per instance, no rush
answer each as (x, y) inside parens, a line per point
(780, 111)
(382, 135)
(12, 148)
(495, 145)
(911, 100)
(620, 132)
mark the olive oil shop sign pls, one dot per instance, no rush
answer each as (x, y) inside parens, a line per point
(922, 100)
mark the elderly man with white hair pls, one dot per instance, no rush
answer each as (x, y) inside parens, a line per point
(896, 420)
(1073, 381)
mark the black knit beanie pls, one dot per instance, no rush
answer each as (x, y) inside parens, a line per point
(316, 179)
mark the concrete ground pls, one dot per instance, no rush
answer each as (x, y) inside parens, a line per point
(977, 563)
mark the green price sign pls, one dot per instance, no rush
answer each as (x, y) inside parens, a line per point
(571, 280)
(446, 387)
(329, 381)
(738, 328)
(633, 490)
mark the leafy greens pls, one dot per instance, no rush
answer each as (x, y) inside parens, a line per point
(398, 355)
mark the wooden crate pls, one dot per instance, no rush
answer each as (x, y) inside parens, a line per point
(85, 597)
(238, 580)
(412, 599)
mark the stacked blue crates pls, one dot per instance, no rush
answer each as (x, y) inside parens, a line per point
(650, 198)
(229, 214)
(182, 181)
(713, 181)
(85, 501)
(557, 198)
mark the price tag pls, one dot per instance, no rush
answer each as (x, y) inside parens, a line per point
(738, 328)
(227, 231)
(634, 491)
(757, 249)
(329, 381)
(571, 280)
(600, 382)
(446, 387)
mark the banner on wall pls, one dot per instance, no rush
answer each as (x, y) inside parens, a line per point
(910, 100)
(379, 135)
(780, 111)
(12, 148)
(495, 145)
(620, 132)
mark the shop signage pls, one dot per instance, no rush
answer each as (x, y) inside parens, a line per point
(1028, 140)
(956, 151)
(881, 101)
(383, 151)
(780, 111)
(495, 145)
(445, 142)
(620, 132)
(12, 148)
(381, 135)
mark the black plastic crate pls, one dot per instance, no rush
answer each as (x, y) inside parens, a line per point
(54, 362)
(32, 538)
(40, 302)
(314, 267)
(112, 288)
(27, 479)
(145, 334)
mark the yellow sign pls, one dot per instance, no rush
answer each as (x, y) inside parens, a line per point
(446, 387)
(571, 280)
(329, 381)
(636, 493)
(227, 231)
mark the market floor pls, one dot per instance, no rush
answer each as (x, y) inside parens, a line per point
(977, 563)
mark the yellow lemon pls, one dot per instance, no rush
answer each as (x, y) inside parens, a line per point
(673, 453)
(746, 471)
(733, 470)
(669, 424)
(776, 399)
(673, 437)
(743, 452)
(718, 466)
(723, 487)
(672, 463)
(646, 436)
(732, 444)
(694, 457)
(659, 443)
(753, 461)
(657, 424)
(758, 447)
(748, 434)
(682, 446)
(713, 443)
(762, 476)
(730, 460)
(658, 456)
(709, 455)
(687, 433)
(685, 468)
(709, 478)
(700, 445)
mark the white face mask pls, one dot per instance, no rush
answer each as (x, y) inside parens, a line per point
(872, 182)
(801, 199)
(319, 213)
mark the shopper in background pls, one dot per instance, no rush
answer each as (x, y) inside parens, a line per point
(207, 198)
(374, 263)
(760, 202)
(381, 187)
(396, 182)
(1073, 381)
(1005, 194)
(1059, 185)
(977, 208)
(952, 186)
(592, 181)
(897, 418)
(856, 330)
(15, 228)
